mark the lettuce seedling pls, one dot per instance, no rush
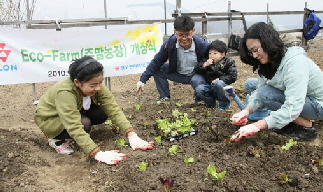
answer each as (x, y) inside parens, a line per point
(173, 149)
(179, 104)
(145, 123)
(137, 106)
(188, 160)
(193, 109)
(166, 183)
(317, 161)
(208, 114)
(142, 166)
(108, 122)
(284, 178)
(180, 124)
(255, 151)
(288, 145)
(214, 175)
(121, 142)
(158, 139)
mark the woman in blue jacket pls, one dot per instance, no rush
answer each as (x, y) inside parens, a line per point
(289, 84)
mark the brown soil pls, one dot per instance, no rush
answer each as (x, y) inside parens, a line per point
(28, 163)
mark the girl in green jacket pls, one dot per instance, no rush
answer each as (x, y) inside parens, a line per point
(67, 111)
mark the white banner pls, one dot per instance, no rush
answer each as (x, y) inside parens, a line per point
(33, 56)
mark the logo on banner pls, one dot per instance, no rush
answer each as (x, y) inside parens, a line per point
(4, 53)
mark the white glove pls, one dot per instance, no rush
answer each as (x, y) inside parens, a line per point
(110, 157)
(240, 118)
(140, 86)
(137, 143)
(244, 132)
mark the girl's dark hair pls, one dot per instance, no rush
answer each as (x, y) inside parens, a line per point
(84, 69)
(270, 43)
(217, 45)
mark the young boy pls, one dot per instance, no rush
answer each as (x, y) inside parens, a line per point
(218, 71)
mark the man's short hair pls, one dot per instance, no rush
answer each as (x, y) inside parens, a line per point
(184, 23)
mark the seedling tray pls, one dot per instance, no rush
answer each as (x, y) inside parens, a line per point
(182, 135)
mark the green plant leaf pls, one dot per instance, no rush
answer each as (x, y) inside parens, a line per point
(121, 142)
(137, 106)
(108, 122)
(142, 166)
(179, 104)
(173, 149)
(214, 175)
(188, 160)
(288, 145)
(158, 139)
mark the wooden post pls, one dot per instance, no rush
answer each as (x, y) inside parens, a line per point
(230, 20)
(267, 13)
(204, 26)
(165, 17)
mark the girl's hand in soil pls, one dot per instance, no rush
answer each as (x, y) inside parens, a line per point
(244, 132)
(240, 118)
(137, 143)
(110, 157)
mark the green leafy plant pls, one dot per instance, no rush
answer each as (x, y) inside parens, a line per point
(129, 117)
(288, 145)
(145, 123)
(240, 88)
(188, 160)
(160, 111)
(208, 114)
(158, 139)
(108, 122)
(166, 183)
(121, 142)
(179, 104)
(137, 106)
(214, 175)
(158, 102)
(142, 166)
(193, 109)
(178, 123)
(173, 149)
(255, 151)
(284, 178)
(317, 161)
(114, 127)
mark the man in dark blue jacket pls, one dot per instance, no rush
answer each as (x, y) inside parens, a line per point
(183, 50)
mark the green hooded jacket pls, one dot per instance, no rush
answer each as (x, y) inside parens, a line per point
(59, 109)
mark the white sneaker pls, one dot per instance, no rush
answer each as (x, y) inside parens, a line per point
(64, 148)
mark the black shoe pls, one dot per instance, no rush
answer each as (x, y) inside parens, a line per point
(298, 132)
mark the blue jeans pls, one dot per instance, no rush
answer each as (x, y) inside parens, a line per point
(210, 93)
(162, 84)
(273, 99)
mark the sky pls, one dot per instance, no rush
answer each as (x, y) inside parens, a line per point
(154, 9)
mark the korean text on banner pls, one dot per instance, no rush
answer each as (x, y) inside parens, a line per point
(34, 56)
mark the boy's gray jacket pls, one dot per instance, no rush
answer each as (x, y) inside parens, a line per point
(298, 77)
(168, 51)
